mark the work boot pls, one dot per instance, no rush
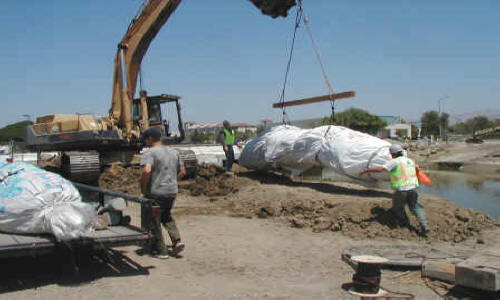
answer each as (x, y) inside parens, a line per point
(425, 233)
(162, 255)
(177, 247)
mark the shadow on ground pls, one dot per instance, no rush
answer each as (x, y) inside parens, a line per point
(62, 269)
(274, 178)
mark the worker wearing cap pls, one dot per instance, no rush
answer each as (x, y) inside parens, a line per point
(161, 167)
(403, 176)
(227, 138)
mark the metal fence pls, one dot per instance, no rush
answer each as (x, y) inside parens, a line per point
(139, 209)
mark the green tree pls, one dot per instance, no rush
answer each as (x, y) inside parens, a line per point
(461, 128)
(357, 119)
(246, 135)
(478, 123)
(430, 123)
(13, 131)
(200, 137)
(444, 122)
(414, 131)
(473, 124)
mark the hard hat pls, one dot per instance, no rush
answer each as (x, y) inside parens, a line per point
(395, 149)
(154, 133)
(225, 122)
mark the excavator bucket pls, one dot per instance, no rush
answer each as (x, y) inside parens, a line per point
(274, 8)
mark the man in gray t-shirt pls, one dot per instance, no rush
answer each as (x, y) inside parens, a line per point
(161, 167)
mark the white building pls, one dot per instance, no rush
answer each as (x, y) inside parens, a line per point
(396, 127)
(398, 130)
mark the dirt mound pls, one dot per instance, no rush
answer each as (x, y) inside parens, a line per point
(355, 211)
(211, 181)
(369, 218)
(121, 179)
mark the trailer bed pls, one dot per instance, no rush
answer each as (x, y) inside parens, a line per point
(12, 245)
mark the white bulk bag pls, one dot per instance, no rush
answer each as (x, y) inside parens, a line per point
(34, 201)
(338, 148)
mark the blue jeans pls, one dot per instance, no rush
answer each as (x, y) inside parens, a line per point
(401, 198)
(229, 157)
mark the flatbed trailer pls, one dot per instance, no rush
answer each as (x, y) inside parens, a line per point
(18, 245)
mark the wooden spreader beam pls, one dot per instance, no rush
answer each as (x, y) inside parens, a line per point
(337, 96)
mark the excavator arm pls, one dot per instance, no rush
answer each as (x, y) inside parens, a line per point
(135, 43)
(130, 52)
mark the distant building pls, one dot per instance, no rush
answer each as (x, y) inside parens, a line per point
(391, 119)
(396, 127)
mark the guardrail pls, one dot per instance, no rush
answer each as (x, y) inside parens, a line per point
(91, 188)
(149, 213)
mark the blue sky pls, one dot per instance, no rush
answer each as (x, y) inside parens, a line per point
(227, 60)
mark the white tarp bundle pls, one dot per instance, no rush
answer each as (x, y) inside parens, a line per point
(35, 201)
(338, 148)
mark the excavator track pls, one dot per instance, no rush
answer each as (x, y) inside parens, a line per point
(188, 157)
(81, 167)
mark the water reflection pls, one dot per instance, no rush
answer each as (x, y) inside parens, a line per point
(468, 190)
(465, 189)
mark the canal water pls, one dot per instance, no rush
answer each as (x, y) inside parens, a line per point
(468, 190)
(465, 189)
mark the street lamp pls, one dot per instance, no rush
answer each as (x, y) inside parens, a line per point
(439, 112)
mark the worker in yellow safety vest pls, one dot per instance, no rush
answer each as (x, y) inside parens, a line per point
(403, 176)
(227, 138)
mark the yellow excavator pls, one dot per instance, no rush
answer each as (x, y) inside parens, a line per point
(87, 143)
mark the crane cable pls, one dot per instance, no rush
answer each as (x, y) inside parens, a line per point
(301, 15)
(319, 59)
(298, 17)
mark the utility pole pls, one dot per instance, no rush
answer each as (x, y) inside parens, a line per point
(439, 113)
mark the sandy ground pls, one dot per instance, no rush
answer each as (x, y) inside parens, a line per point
(232, 255)
(225, 258)
(255, 238)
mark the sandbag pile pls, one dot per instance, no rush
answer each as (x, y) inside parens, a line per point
(338, 148)
(34, 201)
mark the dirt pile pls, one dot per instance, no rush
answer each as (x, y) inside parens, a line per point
(355, 211)
(211, 181)
(121, 179)
(361, 217)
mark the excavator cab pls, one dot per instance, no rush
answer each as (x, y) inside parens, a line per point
(155, 119)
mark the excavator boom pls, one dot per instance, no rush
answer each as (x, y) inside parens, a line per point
(135, 43)
(130, 53)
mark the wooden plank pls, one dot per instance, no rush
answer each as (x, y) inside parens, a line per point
(103, 233)
(440, 270)
(31, 239)
(122, 230)
(337, 96)
(114, 231)
(7, 240)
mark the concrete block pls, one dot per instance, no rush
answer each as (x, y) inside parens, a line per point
(480, 272)
(444, 271)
